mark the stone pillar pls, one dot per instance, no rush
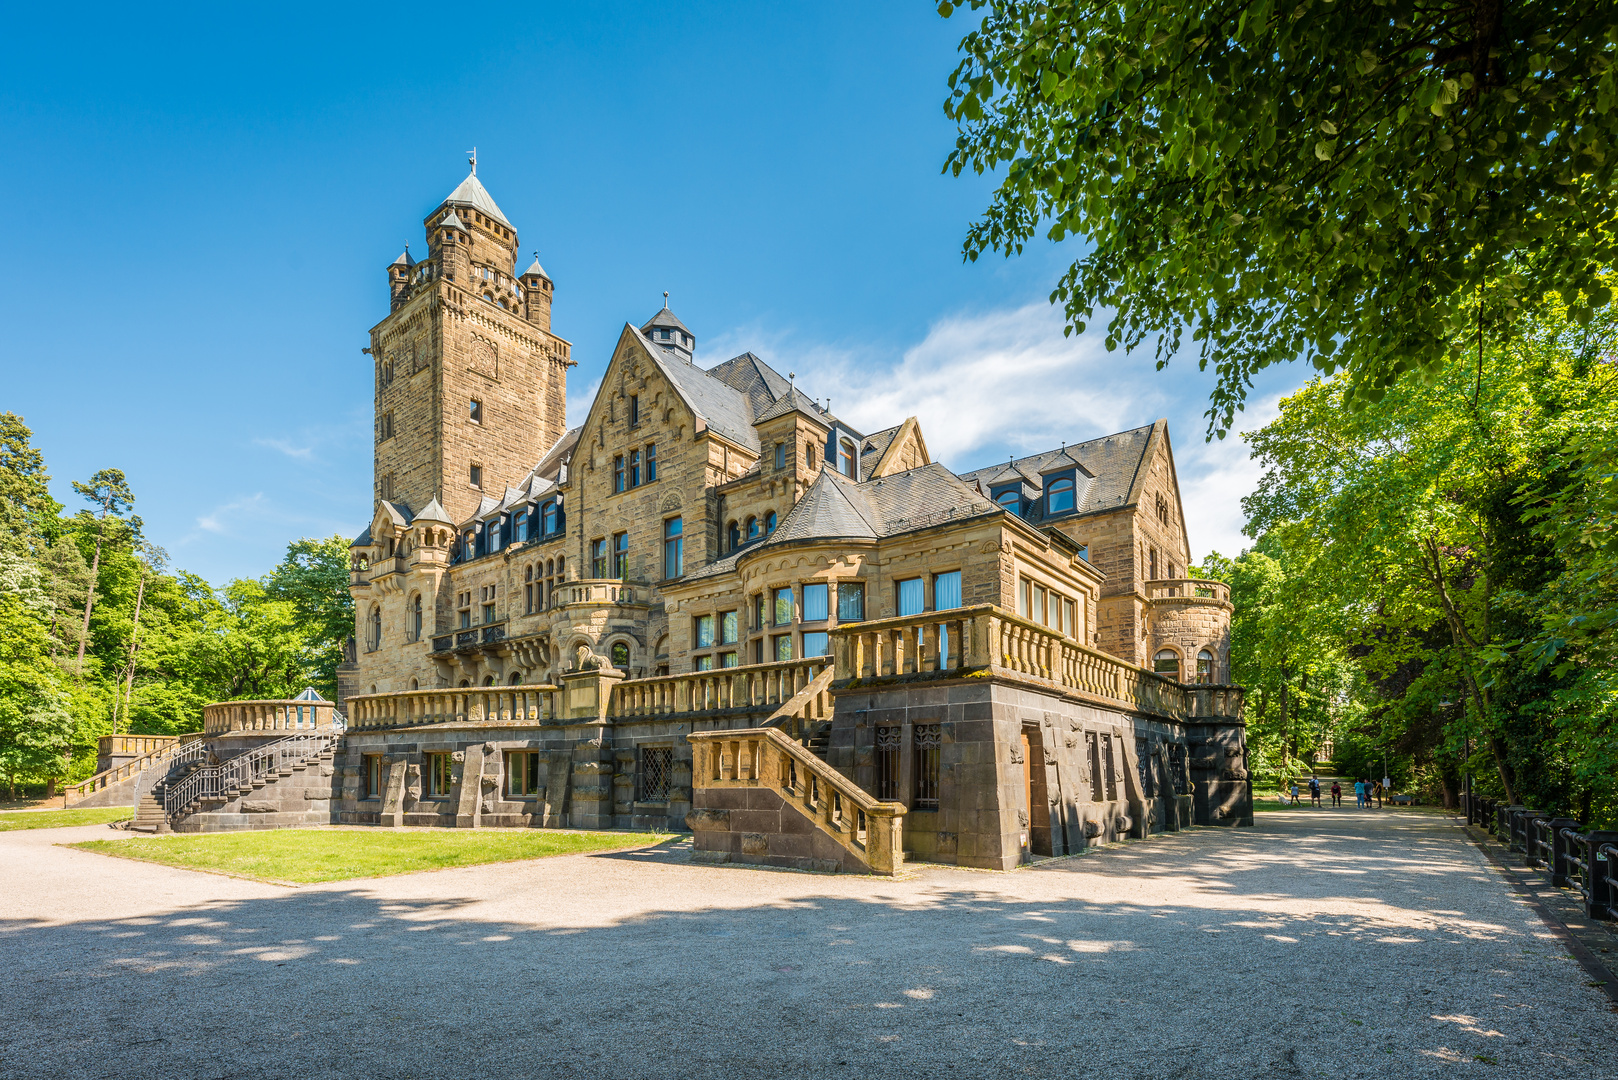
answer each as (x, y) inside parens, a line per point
(1222, 787)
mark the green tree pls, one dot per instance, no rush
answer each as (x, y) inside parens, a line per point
(26, 507)
(109, 493)
(1331, 180)
(314, 579)
(249, 646)
(34, 725)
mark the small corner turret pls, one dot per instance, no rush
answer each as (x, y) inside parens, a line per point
(668, 333)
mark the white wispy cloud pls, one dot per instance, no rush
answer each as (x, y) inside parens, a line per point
(222, 519)
(987, 385)
(287, 447)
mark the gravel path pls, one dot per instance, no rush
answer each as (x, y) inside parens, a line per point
(1322, 943)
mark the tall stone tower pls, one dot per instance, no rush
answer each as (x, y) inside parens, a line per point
(471, 385)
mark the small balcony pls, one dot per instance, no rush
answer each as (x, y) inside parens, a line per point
(1187, 589)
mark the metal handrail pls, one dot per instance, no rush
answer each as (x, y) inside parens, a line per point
(213, 781)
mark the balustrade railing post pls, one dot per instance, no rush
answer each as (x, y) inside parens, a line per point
(1560, 845)
(1599, 895)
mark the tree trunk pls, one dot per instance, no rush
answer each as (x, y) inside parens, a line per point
(90, 596)
(129, 669)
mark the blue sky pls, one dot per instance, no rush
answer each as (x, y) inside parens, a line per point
(202, 203)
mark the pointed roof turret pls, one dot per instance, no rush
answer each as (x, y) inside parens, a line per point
(536, 271)
(452, 221)
(666, 331)
(403, 260)
(794, 400)
(434, 511)
(471, 192)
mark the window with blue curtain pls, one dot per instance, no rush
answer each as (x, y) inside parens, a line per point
(851, 601)
(912, 597)
(814, 606)
(947, 591)
(816, 643)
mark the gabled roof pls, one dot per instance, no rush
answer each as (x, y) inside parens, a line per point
(874, 446)
(1059, 461)
(794, 400)
(398, 512)
(760, 383)
(1113, 460)
(716, 406)
(434, 511)
(550, 466)
(1009, 473)
(471, 192)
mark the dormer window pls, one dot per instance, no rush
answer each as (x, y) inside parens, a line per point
(845, 458)
(1010, 500)
(1059, 497)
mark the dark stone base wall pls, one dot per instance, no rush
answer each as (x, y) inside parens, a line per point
(755, 825)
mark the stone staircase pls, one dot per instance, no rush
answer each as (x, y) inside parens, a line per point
(208, 787)
(806, 716)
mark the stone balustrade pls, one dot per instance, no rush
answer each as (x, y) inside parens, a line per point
(1187, 589)
(161, 749)
(478, 704)
(597, 591)
(757, 686)
(989, 637)
(226, 717)
(763, 758)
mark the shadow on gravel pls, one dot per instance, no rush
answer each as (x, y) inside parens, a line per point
(941, 977)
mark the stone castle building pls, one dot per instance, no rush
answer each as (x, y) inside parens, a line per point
(712, 603)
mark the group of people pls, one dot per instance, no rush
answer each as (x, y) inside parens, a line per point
(1364, 792)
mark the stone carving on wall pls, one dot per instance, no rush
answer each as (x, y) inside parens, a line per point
(485, 358)
(671, 501)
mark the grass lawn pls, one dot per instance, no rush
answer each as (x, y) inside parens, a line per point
(304, 856)
(55, 819)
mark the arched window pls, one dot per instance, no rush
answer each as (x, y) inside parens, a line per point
(415, 618)
(488, 680)
(528, 573)
(846, 462)
(1167, 662)
(465, 683)
(752, 528)
(1011, 500)
(735, 535)
(769, 523)
(1205, 667)
(516, 678)
(1060, 496)
(809, 454)
(414, 685)
(561, 567)
(620, 655)
(373, 630)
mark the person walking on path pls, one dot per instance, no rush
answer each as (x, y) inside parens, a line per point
(1336, 793)
(1381, 790)
(1314, 791)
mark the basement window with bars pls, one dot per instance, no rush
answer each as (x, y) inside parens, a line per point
(656, 766)
(887, 762)
(929, 748)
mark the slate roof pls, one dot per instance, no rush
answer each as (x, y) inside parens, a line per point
(722, 408)
(363, 539)
(665, 318)
(434, 511)
(536, 269)
(1113, 461)
(399, 512)
(761, 384)
(873, 447)
(403, 260)
(471, 192)
(550, 465)
(452, 220)
(837, 508)
(794, 400)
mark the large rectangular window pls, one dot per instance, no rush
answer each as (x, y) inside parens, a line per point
(705, 663)
(814, 602)
(783, 606)
(728, 627)
(618, 474)
(673, 548)
(374, 782)
(651, 462)
(851, 601)
(816, 643)
(522, 774)
(704, 631)
(598, 558)
(727, 659)
(620, 556)
(440, 776)
(912, 597)
(947, 591)
(783, 647)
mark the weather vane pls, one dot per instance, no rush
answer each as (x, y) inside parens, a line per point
(474, 153)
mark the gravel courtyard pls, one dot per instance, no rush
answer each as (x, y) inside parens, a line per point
(1322, 944)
